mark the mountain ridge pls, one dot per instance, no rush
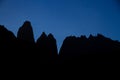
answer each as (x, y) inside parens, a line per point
(83, 50)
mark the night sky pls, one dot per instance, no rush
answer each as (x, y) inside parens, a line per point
(63, 17)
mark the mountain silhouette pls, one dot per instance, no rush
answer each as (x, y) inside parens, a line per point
(23, 50)
(7, 39)
(6, 35)
(46, 46)
(93, 50)
(26, 32)
(8, 45)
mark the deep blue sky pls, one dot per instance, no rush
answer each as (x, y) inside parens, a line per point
(63, 17)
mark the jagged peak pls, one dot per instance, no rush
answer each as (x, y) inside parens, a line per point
(26, 26)
(43, 35)
(25, 32)
(90, 36)
(27, 23)
(83, 37)
(100, 35)
(50, 36)
(71, 37)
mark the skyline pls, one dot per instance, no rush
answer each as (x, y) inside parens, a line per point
(62, 17)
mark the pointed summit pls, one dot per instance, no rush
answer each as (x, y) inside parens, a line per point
(50, 36)
(27, 23)
(43, 35)
(42, 38)
(47, 47)
(26, 32)
(52, 48)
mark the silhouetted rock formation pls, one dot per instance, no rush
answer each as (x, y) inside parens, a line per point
(47, 48)
(7, 38)
(26, 44)
(92, 50)
(7, 45)
(26, 32)
(75, 50)
(52, 49)
(52, 45)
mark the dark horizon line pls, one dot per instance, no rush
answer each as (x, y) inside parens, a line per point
(92, 50)
(27, 21)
